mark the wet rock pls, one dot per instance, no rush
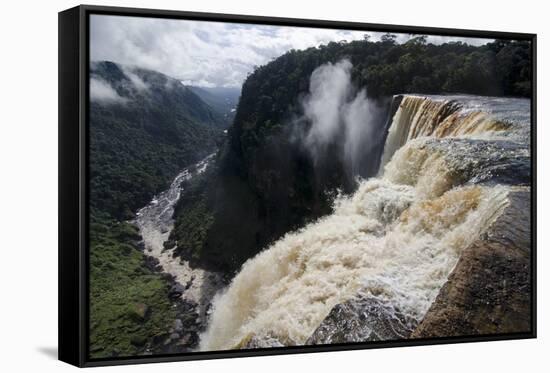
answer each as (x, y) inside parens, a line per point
(483, 161)
(172, 339)
(255, 341)
(152, 264)
(167, 277)
(489, 290)
(141, 245)
(188, 307)
(208, 310)
(188, 284)
(185, 340)
(190, 339)
(362, 319)
(269, 342)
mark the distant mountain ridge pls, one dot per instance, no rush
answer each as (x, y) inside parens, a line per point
(138, 86)
(222, 99)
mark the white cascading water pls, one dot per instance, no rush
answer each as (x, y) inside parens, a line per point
(397, 238)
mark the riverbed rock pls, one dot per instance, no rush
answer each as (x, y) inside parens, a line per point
(178, 326)
(489, 290)
(152, 263)
(185, 340)
(141, 245)
(188, 306)
(167, 277)
(362, 319)
(190, 339)
(188, 284)
(176, 291)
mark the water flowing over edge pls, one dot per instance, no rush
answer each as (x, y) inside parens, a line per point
(396, 238)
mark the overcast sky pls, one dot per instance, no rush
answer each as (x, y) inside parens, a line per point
(209, 53)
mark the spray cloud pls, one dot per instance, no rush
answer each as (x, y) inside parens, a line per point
(335, 110)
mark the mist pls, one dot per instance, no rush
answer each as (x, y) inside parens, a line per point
(102, 91)
(138, 83)
(337, 111)
(361, 117)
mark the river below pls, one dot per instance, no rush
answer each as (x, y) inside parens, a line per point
(193, 287)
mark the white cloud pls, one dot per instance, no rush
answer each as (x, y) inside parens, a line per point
(209, 53)
(102, 91)
(201, 83)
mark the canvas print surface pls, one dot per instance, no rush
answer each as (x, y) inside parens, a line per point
(256, 186)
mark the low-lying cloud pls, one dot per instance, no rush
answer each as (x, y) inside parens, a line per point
(138, 83)
(102, 91)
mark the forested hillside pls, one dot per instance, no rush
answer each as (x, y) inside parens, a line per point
(266, 183)
(145, 127)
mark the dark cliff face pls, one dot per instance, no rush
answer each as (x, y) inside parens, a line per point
(268, 184)
(489, 291)
(277, 191)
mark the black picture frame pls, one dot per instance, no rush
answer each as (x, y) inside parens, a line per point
(74, 195)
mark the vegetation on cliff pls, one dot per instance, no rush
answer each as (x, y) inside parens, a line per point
(128, 301)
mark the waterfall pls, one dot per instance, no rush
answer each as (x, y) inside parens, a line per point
(397, 238)
(428, 117)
